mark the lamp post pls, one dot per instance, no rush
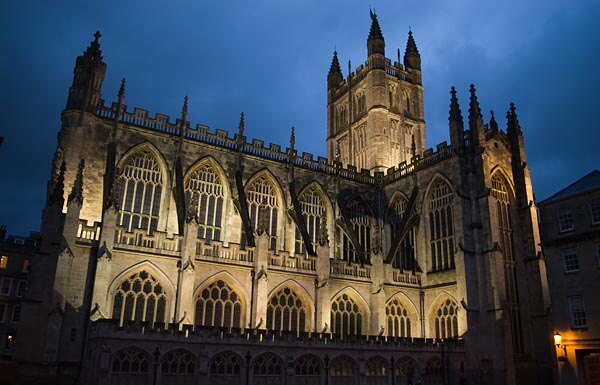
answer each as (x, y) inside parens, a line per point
(559, 344)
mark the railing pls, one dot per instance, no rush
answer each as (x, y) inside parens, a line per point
(215, 251)
(343, 268)
(89, 233)
(406, 277)
(293, 262)
(140, 239)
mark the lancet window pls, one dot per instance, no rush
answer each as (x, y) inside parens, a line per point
(140, 193)
(204, 193)
(376, 371)
(286, 311)
(346, 316)
(140, 297)
(502, 197)
(313, 211)
(405, 256)
(178, 367)
(129, 366)
(225, 369)
(341, 371)
(219, 305)
(441, 227)
(360, 220)
(446, 320)
(263, 206)
(398, 319)
(267, 370)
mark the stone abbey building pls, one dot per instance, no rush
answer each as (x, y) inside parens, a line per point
(172, 254)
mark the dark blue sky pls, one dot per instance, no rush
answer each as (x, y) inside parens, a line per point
(270, 59)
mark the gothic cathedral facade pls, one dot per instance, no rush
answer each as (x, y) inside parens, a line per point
(172, 254)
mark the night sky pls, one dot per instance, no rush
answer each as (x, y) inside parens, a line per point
(270, 59)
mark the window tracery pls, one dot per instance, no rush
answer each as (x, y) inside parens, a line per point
(140, 190)
(313, 211)
(267, 370)
(140, 297)
(341, 371)
(405, 369)
(263, 206)
(285, 311)
(178, 363)
(129, 366)
(360, 220)
(225, 369)
(446, 320)
(376, 371)
(219, 305)
(308, 367)
(346, 316)
(205, 188)
(398, 319)
(441, 227)
(404, 258)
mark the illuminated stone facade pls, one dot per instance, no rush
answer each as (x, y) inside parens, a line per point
(201, 256)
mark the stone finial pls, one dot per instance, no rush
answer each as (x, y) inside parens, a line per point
(413, 147)
(455, 113)
(513, 127)
(97, 36)
(493, 124)
(113, 198)
(292, 139)
(474, 110)
(76, 194)
(411, 45)
(375, 41)
(242, 124)
(93, 50)
(412, 58)
(334, 77)
(184, 110)
(58, 189)
(121, 94)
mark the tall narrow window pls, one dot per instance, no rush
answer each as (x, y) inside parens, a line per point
(140, 193)
(565, 220)
(405, 256)
(446, 320)
(502, 196)
(140, 298)
(341, 371)
(360, 220)
(313, 211)
(441, 227)
(225, 369)
(577, 310)
(570, 261)
(398, 320)
(205, 191)
(3, 262)
(286, 311)
(267, 370)
(346, 316)
(595, 212)
(219, 305)
(263, 206)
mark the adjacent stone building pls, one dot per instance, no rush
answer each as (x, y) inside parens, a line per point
(172, 254)
(570, 225)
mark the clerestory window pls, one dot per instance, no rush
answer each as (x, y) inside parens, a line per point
(205, 194)
(140, 297)
(441, 227)
(313, 211)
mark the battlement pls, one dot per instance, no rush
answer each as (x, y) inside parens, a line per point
(139, 117)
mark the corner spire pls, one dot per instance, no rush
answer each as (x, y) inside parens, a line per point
(334, 77)
(121, 94)
(77, 191)
(514, 127)
(455, 113)
(493, 124)
(293, 139)
(475, 119)
(242, 124)
(412, 58)
(457, 130)
(375, 41)
(56, 197)
(89, 71)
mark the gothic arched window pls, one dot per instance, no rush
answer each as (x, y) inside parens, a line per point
(360, 220)
(178, 367)
(405, 369)
(313, 211)
(405, 256)
(263, 206)
(341, 371)
(441, 227)
(346, 316)
(140, 193)
(501, 193)
(204, 193)
(376, 371)
(433, 371)
(446, 320)
(398, 320)
(219, 305)
(307, 370)
(129, 366)
(140, 298)
(225, 369)
(285, 311)
(267, 370)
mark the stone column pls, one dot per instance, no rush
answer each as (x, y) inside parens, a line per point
(261, 290)
(323, 298)
(100, 297)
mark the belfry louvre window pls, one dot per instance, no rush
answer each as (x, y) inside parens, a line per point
(225, 369)
(129, 366)
(219, 305)
(565, 220)
(398, 320)
(140, 298)
(285, 311)
(441, 228)
(346, 317)
(360, 220)
(405, 256)
(267, 370)
(263, 205)
(204, 192)
(140, 193)
(446, 320)
(313, 211)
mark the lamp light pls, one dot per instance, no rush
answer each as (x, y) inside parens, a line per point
(557, 339)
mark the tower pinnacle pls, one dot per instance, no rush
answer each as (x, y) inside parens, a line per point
(334, 77)
(412, 58)
(375, 42)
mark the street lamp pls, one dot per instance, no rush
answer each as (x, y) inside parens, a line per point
(559, 344)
